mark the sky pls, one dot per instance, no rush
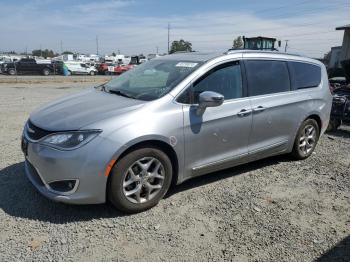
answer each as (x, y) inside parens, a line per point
(140, 26)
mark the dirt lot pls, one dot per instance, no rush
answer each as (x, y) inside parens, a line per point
(272, 210)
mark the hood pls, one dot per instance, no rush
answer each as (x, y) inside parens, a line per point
(79, 110)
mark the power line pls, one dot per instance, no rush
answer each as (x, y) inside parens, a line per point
(97, 45)
(168, 38)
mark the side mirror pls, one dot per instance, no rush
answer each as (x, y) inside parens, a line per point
(209, 99)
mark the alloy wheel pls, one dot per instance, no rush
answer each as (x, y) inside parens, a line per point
(143, 180)
(307, 140)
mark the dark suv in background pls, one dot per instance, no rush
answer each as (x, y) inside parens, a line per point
(30, 65)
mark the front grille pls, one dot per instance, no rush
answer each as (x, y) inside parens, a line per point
(35, 133)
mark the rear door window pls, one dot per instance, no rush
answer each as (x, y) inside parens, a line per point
(304, 75)
(267, 77)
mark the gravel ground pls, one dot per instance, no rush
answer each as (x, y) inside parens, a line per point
(271, 210)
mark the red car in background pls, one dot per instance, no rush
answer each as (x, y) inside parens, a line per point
(108, 69)
(103, 68)
(122, 68)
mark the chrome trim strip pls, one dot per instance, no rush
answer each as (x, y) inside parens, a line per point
(237, 157)
(219, 162)
(258, 150)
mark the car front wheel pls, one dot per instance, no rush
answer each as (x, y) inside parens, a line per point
(140, 179)
(11, 71)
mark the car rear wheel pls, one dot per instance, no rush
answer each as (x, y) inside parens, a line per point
(139, 180)
(92, 73)
(46, 72)
(306, 139)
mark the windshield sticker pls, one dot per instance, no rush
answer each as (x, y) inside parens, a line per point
(186, 64)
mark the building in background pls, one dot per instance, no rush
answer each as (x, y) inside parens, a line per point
(345, 51)
(334, 59)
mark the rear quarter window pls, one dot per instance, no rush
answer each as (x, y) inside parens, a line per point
(267, 77)
(304, 75)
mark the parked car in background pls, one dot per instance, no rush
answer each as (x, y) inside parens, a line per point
(78, 68)
(152, 56)
(103, 68)
(340, 113)
(136, 60)
(174, 118)
(123, 68)
(111, 69)
(29, 66)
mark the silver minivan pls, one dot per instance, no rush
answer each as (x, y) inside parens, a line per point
(171, 119)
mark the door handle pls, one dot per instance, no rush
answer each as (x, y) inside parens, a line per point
(259, 109)
(244, 112)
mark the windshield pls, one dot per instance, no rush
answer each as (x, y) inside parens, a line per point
(151, 80)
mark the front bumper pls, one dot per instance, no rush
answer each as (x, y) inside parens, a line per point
(86, 165)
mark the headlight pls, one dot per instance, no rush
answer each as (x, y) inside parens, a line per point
(70, 140)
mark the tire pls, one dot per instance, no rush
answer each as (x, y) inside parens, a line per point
(69, 72)
(11, 71)
(303, 148)
(333, 125)
(46, 72)
(92, 73)
(107, 73)
(121, 175)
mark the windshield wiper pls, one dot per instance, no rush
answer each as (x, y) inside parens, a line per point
(120, 93)
(102, 87)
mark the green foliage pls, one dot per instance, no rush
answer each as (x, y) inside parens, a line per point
(181, 45)
(43, 53)
(114, 54)
(237, 42)
(67, 53)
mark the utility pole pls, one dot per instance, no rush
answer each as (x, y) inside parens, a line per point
(61, 45)
(286, 46)
(41, 52)
(157, 50)
(97, 45)
(168, 38)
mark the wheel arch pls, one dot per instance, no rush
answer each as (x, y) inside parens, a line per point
(160, 144)
(317, 118)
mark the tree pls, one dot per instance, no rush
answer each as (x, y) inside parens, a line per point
(238, 43)
(43, 53)
(113, 54)
(181, 45)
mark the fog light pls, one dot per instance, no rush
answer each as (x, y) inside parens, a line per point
(64, 186)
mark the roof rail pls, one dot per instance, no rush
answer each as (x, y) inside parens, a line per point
(230, 51)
